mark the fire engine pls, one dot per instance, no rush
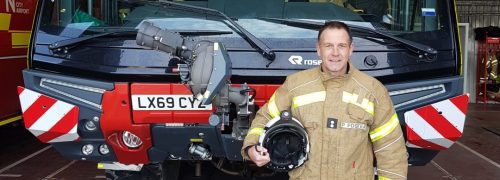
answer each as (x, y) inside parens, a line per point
(16, 19)
(139, 86)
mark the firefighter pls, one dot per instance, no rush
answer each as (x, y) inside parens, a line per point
(348, 115)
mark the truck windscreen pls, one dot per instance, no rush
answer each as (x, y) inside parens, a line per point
(263, 37)
(409, 19)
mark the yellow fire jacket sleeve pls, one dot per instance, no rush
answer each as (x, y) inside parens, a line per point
(279, 101)
(387, 139)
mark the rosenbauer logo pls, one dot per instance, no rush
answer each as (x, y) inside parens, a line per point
(298, 60)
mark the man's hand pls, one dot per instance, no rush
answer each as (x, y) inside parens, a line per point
(258, 155)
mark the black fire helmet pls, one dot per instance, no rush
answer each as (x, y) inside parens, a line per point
(287, 142)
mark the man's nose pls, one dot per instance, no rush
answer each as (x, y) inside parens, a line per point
(335, 51)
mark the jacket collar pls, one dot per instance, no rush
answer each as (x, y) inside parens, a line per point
(325, 76)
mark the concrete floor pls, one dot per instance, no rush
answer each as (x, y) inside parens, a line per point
(475, 156)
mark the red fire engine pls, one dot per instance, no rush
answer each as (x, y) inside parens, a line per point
(16, 19)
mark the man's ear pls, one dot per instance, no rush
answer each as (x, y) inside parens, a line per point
(318, 50)
(351, 49)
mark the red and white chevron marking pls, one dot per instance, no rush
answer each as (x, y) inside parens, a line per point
(49, 119)
(436, 126)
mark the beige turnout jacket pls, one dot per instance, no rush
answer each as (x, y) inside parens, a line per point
(349, 120)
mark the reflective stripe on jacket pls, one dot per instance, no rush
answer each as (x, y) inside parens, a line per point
(349, 119)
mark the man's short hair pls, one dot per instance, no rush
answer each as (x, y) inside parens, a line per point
(335, 25)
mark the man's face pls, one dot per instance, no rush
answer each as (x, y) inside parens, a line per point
(334, 49)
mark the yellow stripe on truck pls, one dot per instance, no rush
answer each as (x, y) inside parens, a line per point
(20, 39)
(459, 40)
(4, 21)
(9, 120)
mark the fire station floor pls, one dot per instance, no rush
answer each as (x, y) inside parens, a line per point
(475, 156)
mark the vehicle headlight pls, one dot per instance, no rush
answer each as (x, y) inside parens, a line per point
(103, 149)
(131, 140)
(87, 149)
(90, 125)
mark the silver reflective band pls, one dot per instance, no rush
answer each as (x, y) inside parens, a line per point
(85, 88)
(418, 89)
(119, 166)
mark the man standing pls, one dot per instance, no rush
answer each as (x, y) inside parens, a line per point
(348, 115)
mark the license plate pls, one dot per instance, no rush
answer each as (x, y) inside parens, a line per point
(167, 102)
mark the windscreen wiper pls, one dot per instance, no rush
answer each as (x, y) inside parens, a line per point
(190, 32)
(254, 41)
(65, 45)
(417, 48)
